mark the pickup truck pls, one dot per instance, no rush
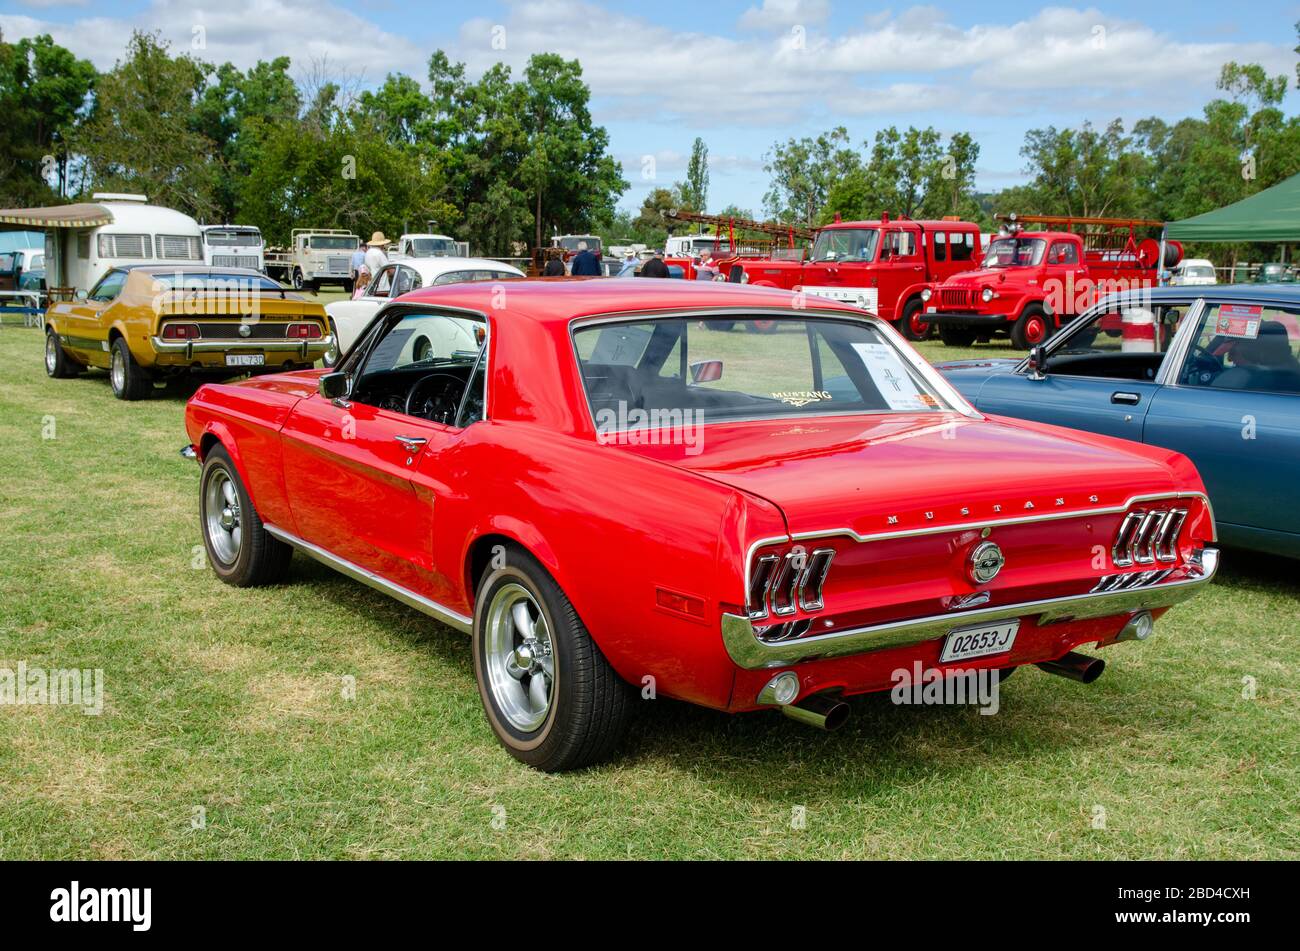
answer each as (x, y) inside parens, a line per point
(1033, 282)
(882, 266)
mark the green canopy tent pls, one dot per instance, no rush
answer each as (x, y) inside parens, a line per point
(1272, 216)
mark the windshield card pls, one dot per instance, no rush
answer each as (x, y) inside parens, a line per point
(891, 377)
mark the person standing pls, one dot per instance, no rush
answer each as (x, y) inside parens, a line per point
(584, 263)
(375, 252)
(354, 266)
(628, 267)
(554, 266)
(655, 267)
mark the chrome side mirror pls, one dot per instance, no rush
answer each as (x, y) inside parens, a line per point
(334, 386)
(1037, 364)
(81, 294)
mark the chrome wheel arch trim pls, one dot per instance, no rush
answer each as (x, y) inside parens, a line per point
(408, 597)
(750, 653)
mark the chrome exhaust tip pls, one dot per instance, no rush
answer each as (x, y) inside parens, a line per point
(820, 710)
(1074, 666)
(1139, 627)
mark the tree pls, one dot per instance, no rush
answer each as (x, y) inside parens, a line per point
(141, 135)
(695, 190)
(43, 93)
(234, 110)
(910, 173)
(1086, 172)
(803, 173)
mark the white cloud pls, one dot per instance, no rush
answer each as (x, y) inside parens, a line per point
(780, 14)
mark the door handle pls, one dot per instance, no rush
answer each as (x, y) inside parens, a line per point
(412, 444)
(1131, 399)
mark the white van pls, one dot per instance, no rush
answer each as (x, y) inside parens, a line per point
(1193, 271)
(138, 233)
(234, 246)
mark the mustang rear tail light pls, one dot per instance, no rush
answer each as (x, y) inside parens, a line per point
(1148, 536)
(181, 332)
(783, 585)
(302, 331)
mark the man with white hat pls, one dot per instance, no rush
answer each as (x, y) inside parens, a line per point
(375, 256)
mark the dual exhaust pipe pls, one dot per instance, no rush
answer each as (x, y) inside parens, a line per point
(1074, 666)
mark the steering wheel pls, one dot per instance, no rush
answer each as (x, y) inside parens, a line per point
(435, 397)
(1202, 366)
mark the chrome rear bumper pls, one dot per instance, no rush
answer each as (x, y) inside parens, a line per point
(752, 653)
(191, 347)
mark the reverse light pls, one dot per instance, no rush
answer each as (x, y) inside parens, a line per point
(987, 294)
(302, 331)
(181, 332)
(781, 689)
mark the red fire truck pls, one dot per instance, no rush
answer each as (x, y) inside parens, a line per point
(882, 266)
(1032, 282)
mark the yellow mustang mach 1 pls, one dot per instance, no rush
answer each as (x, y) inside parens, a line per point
(147, 323)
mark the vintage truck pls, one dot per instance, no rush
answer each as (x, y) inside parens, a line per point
(882, 266)
(1033, 282)
(429, 245)
(233, 246)
(315, 256)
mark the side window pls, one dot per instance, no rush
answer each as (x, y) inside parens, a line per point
(898, 244)
(940, 245)
(383, 283)
(1245, 347)
(962, 245)
(1127, 330)
(1063, 252)
(109, 286)
(401, 281)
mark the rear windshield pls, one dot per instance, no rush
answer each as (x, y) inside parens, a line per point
(759, 368)
(214, 282)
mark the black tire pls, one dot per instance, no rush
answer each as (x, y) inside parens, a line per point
(721, 326)
(956, 336)
(260, 559)
(57, 363)
(907, 324)
(1033, 327)
(588, 706)
(127, 378)
(297, 279)
(761, 326)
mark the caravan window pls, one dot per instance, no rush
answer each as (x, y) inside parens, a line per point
(126, 246)
(180, 247)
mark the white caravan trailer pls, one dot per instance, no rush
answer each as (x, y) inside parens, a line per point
(83, 241)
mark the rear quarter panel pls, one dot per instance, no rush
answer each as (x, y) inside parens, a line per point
(613, 529)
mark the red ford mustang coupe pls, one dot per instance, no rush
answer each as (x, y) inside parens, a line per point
(610, 485)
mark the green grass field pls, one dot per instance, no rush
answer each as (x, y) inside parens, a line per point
(226, 732)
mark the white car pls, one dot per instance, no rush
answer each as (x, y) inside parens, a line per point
(1193, 271)
(348, 318)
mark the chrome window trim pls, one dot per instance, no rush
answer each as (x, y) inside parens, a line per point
(956, 403)
(750, 653)
(408, 597)
(975, 524)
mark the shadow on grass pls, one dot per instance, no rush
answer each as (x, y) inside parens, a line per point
(882, 748)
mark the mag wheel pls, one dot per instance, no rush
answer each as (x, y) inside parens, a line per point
(240, 549)
(550, 696)
(128, 380)
(57, 363)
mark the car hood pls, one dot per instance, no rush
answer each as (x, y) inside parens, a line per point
(875, 474)
(987, 275)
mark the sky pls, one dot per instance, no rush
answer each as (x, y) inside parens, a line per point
(747, 74)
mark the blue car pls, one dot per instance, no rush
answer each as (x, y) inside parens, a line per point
(1213, 372)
